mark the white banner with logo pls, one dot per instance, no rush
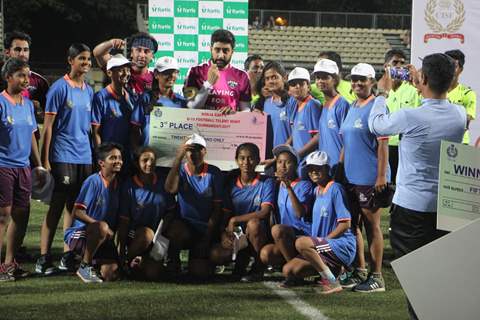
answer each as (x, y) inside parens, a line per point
(441, 25)
(183, 28)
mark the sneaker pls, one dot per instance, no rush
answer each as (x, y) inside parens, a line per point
(17, 271)
(67, 263)
(88, 274)
(290, 282)
(326, 287)
(45, 266)
(5, 275)
(354, 279)
(372, 284)
(252, 277)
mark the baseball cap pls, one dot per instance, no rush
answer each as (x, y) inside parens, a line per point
(364, 70)
(317, 158)
(166, 63)
(117, 60)
(326, 65)
(285, 148)
(299, 74)
(197, 139)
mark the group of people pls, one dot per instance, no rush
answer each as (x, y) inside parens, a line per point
(327, 167)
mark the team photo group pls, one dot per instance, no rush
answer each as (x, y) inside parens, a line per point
(339, 152)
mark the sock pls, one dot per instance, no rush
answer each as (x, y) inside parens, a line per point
(327, 274)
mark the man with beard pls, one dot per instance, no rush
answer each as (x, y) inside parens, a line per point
(220, 85)
(142, 48)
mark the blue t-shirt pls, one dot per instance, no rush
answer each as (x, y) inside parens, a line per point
(279, 120)
(144, 205)
(360, 145)
(331, 120)
(100, 200)
(196, 194)
(142, 120)
(241, 199)
(328, 209)
(112, 113)
(71, 130)
(305, 122)
(17, 123)
(303, 191)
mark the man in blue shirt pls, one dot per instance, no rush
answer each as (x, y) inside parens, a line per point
(413, 218)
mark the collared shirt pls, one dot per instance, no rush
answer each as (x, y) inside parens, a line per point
(422, 130)
(305, 122)
(466, 97)
(242, 199)
(279, 120)
(303, 191)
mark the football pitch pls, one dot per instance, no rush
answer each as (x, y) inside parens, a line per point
(66, 297)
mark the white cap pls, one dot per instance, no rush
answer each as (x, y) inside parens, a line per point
(299, 73)
(317, 158)
(326, 65)
(363, 69)
(117, 60)
(166, 63)
(197, 139)
(285, 148)
(42, 193)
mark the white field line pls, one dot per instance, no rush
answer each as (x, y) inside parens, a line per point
(298, 304)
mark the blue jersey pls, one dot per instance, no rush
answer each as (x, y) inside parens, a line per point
(100, 200)
(197, 193)
(142, 120)
(305, 122)
(360, 145)
(303, 191)
(71, 106)
(112, 113)
(328, 209)
(17, 123)
(331, 120)
(279, 120)
(241, 199)
(144, 205)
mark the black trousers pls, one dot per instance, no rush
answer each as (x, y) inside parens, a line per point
(393, 162)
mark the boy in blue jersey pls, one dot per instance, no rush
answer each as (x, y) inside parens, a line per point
(249, 200)
(199, 188)
(143, 205)
(165, 74)
(96, 215)
(331, 245)
(294, 203)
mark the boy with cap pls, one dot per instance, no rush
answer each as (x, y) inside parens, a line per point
(199, 189)
(165, 74)
(142, 48)
(331, 245)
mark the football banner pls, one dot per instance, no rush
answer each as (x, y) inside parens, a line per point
(441, 25)
(183, 29)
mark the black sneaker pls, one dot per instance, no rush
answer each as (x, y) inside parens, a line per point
(68, 262)
(17, 271)
(44, 265)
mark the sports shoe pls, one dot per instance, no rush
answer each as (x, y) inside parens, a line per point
(354, 279)
(290, 282)
(372, 284)
(326, 287)
(45, 266)
(5, 276)
(17, 271)
(88, 274)
(67, 263)
(252, 277)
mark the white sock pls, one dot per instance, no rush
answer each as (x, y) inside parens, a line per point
(327, 274)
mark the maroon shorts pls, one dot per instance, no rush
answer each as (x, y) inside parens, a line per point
(326, 254)
(107, 251)
(15, 187)
(363, 195)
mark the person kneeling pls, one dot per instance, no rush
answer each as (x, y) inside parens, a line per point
(331, 245)
(95, 213)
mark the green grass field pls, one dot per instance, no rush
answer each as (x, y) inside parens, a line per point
(66, 297)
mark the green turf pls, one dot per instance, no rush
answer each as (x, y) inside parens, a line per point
(66, 297)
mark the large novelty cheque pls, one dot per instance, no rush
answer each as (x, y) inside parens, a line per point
(458, 186)
(169, 127)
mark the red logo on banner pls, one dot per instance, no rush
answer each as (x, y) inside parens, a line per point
(448, 8)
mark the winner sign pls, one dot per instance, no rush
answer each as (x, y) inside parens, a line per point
(170, 127)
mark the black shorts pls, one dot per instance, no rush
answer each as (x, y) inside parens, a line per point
(107, 251)
(69, 177)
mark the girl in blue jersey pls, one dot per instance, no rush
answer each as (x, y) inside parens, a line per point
(331, 245)
(365, 158)
(143, 204)
(66, 150)
(249, 200)
(165, 74)
(278, 105)
(293, 203)
(17, 144)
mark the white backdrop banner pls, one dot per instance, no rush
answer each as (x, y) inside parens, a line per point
(441, 25)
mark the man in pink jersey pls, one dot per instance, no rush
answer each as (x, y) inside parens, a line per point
(220, 85)
(142, 48)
